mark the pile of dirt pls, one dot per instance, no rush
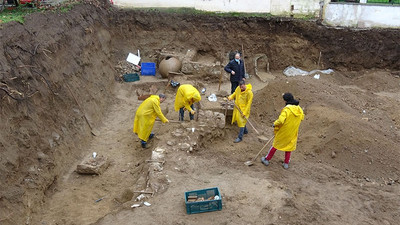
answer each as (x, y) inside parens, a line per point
(351, 122)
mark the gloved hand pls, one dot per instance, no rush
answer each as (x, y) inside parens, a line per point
(229, 98)
(193, 112)
(225, 99)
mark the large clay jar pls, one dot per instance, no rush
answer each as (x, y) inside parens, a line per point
(169, 64)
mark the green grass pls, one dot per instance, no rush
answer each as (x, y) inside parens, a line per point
(16, 14)
(67, 6)
(192, 11)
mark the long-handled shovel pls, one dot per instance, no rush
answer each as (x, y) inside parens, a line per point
(247, 119)
(171, 121)
(250, 163)
(94, 131)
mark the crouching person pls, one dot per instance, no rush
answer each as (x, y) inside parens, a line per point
(185, 97)
(145, 117)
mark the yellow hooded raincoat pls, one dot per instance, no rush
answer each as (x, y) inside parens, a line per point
(186, 96)
(146, 115)
(287, 128)
(243, 100)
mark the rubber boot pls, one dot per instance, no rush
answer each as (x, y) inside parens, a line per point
(264, 161)
(151, 135)
(240, 137)
(285, 166)
(144, 144)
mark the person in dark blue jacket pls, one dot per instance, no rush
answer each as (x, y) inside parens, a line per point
(236, 69)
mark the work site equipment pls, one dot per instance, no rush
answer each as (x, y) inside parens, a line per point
(171, 121)
(245, 118)
(94, 131)
(251, 162)
(260, 137)
(246, 75)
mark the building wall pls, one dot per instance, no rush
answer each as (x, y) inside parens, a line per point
(254, 6)
(362, 15)
(275, 7)
(155, 3)
(284, 7)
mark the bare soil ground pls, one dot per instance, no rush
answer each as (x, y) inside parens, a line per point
(345, 170)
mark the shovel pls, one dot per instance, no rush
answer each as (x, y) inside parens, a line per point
(246, 118)
(250, 163)
(94, 131)
(171, 121)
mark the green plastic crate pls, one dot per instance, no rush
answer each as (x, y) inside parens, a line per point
(203, 206)
(131, 77)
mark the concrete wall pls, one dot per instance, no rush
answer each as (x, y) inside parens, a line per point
(155, 3)
(255, 6)
(304, 7)
(275, 7)
(362, 15)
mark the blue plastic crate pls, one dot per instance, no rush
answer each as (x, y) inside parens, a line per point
(206, 205)
(148, 69)
(131, 77)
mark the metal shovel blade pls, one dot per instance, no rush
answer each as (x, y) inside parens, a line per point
(248, 163)
(95, 132)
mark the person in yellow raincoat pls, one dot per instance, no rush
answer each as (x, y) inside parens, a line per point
(186, 96)
(286, 129)
(243, 96)
(145, 117)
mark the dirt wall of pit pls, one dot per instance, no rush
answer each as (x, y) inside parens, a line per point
(284, 41)
(42, 127)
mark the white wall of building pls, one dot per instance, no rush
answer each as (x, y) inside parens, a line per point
(284, 7)
(155, 3)
(253, 6)
(362, 15)
(275, 7)
(335, 14)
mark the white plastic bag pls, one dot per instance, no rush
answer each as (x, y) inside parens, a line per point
(212, 98)
(292, 71)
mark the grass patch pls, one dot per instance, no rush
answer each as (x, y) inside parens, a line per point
(17, 14)
(66, 6)
(192, 11)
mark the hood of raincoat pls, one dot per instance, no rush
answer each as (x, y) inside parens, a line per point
(295, 109)
(196, 97)
(248, 87)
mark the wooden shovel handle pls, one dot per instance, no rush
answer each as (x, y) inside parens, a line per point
(247, 119)
(263, 148)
